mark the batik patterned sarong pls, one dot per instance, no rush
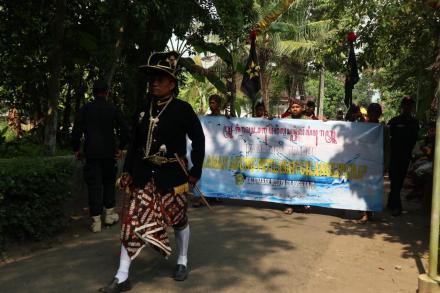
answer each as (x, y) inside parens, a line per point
(150, 212)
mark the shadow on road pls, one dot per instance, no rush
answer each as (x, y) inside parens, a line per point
(223, 250)
(410, 229)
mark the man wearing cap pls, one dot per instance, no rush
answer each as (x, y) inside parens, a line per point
(97, 121)
(403, 136)
(154, 176)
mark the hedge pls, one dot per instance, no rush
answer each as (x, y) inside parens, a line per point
(33, 193)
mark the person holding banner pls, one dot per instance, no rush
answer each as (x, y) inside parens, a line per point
(158, 186)
(354, 114)
(288, 112)
(310, 110)
(374, 111)
(404, 130)
(296, 111)
(260, 110)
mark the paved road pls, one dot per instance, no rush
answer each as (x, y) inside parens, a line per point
(245, 247)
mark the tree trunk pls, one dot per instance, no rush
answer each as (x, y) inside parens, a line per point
(66, 118)
(436, 68)
(321, 93)
(202, 97)
(291, 90)
(265, 82)
(294, 89)
(79, 95)
(265, 78)
(301, 88)
(266, 101)
(121, 10)
(233, 93)
(152, 41)
(14, 121)
(55, 65)
(116, 55)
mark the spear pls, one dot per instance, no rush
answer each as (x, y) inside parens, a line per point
(126, 192)
(182, 165)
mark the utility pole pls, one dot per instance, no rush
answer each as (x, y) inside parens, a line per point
(430, 283)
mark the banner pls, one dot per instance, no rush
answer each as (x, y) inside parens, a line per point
(299, 162)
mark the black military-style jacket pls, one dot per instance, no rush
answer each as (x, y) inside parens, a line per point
(98, 120)
(176, 122)
(404, 131)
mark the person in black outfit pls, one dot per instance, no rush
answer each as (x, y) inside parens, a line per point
(97, 120)
(260, 110)
(154, 171)
(310, 110)
(403, 136)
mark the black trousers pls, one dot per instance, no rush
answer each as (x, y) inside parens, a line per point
(398, 169)
(100, 176)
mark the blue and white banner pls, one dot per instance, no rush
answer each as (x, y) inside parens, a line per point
(300, 162)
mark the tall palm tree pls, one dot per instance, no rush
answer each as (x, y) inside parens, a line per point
(299, 39)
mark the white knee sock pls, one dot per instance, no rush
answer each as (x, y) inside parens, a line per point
(124, 265)
(182, 241)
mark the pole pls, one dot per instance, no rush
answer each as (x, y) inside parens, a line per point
(435, 207)
(182, 165)
(430, 282)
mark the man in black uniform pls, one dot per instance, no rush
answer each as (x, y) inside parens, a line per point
(403, 136)
(157, 184)
(97, 120)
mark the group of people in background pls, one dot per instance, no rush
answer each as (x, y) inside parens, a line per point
(155, 175)
(400, 137)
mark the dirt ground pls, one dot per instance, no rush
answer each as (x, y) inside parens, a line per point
(242, 246)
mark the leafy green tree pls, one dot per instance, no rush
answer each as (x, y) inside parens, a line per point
(399, 38)
(334, 92)
(49, 62)
(301, 37)
(196, 92)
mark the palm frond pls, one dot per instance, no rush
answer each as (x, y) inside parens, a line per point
(304, 47)
(311, 30)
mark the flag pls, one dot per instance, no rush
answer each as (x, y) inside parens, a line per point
(351, 77)
(251, 77)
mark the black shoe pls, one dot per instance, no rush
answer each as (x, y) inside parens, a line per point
(114, 287)
(396, 212)
(180, 273)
